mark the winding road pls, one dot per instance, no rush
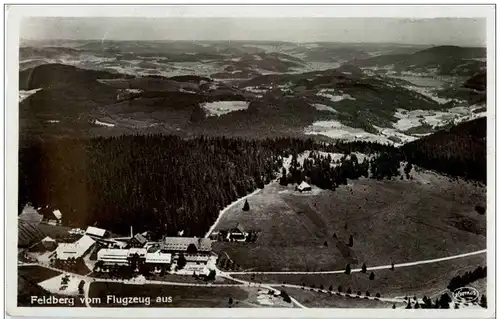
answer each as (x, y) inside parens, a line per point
(269, 286)
(409, 264)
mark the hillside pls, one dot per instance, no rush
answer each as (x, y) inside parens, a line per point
(439, 60)
(74, 101)
(458, 151)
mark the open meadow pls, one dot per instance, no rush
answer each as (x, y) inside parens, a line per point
(396, 221)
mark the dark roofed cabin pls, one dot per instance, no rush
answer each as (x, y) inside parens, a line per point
(138, 241)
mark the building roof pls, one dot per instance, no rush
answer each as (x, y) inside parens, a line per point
(196, 258)
(48, 239)
(182, 243)
(158, 257)
(112, 253)
(138, 251)
(238, 229)
(95, 231)
(304, 185)
(57, 214)
(76, 249)
(29, 214)
(140, 238)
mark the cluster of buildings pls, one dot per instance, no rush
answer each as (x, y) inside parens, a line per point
(136, 252)
(196, 252)
(236, 233)
(133, 251)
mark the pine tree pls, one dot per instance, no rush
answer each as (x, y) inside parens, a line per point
(351, 241)
(363, 268)
(483, 302)
(246, 206)
(334, 235)
(372, 276)
(444, 301)
(325, 244)
(393, 306)
(181, 261)
(330, 288)
(348, 269)
(392, 265)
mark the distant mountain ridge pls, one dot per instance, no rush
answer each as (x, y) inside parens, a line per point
(441, 60)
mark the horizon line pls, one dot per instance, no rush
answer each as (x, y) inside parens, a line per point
(484, 45)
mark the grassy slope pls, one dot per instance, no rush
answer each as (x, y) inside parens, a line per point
(398, 221)
(313, 299)
(426, 279)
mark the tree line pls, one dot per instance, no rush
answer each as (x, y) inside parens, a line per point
(470, 276)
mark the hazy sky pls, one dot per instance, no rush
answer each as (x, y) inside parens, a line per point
(438, 31)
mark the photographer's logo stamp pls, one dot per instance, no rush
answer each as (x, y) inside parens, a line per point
(465, 294)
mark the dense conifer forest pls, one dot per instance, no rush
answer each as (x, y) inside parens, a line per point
(158, 182)
(166, 184)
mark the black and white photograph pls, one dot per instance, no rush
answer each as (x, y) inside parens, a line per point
(342, 160)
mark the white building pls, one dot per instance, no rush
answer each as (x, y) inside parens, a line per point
(113, 256)
(158, 260)
(73, 251)
(96, 232)
(303, 187)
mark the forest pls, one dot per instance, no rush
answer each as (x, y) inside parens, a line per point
(156, 182)
(166, 184)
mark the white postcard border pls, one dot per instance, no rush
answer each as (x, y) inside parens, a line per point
(15, 13)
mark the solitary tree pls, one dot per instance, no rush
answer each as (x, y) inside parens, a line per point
(330, 288)
(285, 296)
(351, 241)
(408, 305)
(334, 235)
(211, 275)
(181, 262)
(246, 206)
(80, 287)
(372, 276)
(339, 288)
(326, 243)
(349, 291)
(393, 306)
(363, 268)
(480, 209)
(392, 265)
(444, 301)
(367, 294)
(483, 302)
(348, 269)
(230, 302)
